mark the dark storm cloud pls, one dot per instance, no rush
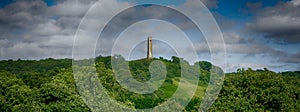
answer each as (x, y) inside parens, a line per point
(280, 23)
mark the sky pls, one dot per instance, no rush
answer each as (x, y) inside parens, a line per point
(257, 33)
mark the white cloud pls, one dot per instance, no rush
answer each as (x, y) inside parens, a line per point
(46, 29)
(295, 2)
(51, 29)
(71, 8)
(34, 30)
(24, 50)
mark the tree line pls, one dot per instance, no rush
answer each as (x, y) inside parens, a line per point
(49, 85)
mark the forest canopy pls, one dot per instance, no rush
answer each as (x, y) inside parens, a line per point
(49, 85)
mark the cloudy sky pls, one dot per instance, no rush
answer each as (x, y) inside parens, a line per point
(257, 33)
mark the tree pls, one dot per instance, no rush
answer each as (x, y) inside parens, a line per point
(258, 91)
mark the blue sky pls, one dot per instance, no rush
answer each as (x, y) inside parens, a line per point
(233, 9)
(257, 33)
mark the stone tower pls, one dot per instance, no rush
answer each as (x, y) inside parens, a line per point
(149, 47)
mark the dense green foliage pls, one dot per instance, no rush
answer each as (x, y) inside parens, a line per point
(49, 85)
(139, 70)
(261, 90)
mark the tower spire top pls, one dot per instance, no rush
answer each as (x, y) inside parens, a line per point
(149, 47)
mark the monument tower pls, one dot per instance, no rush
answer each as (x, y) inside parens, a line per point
(149, 47)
